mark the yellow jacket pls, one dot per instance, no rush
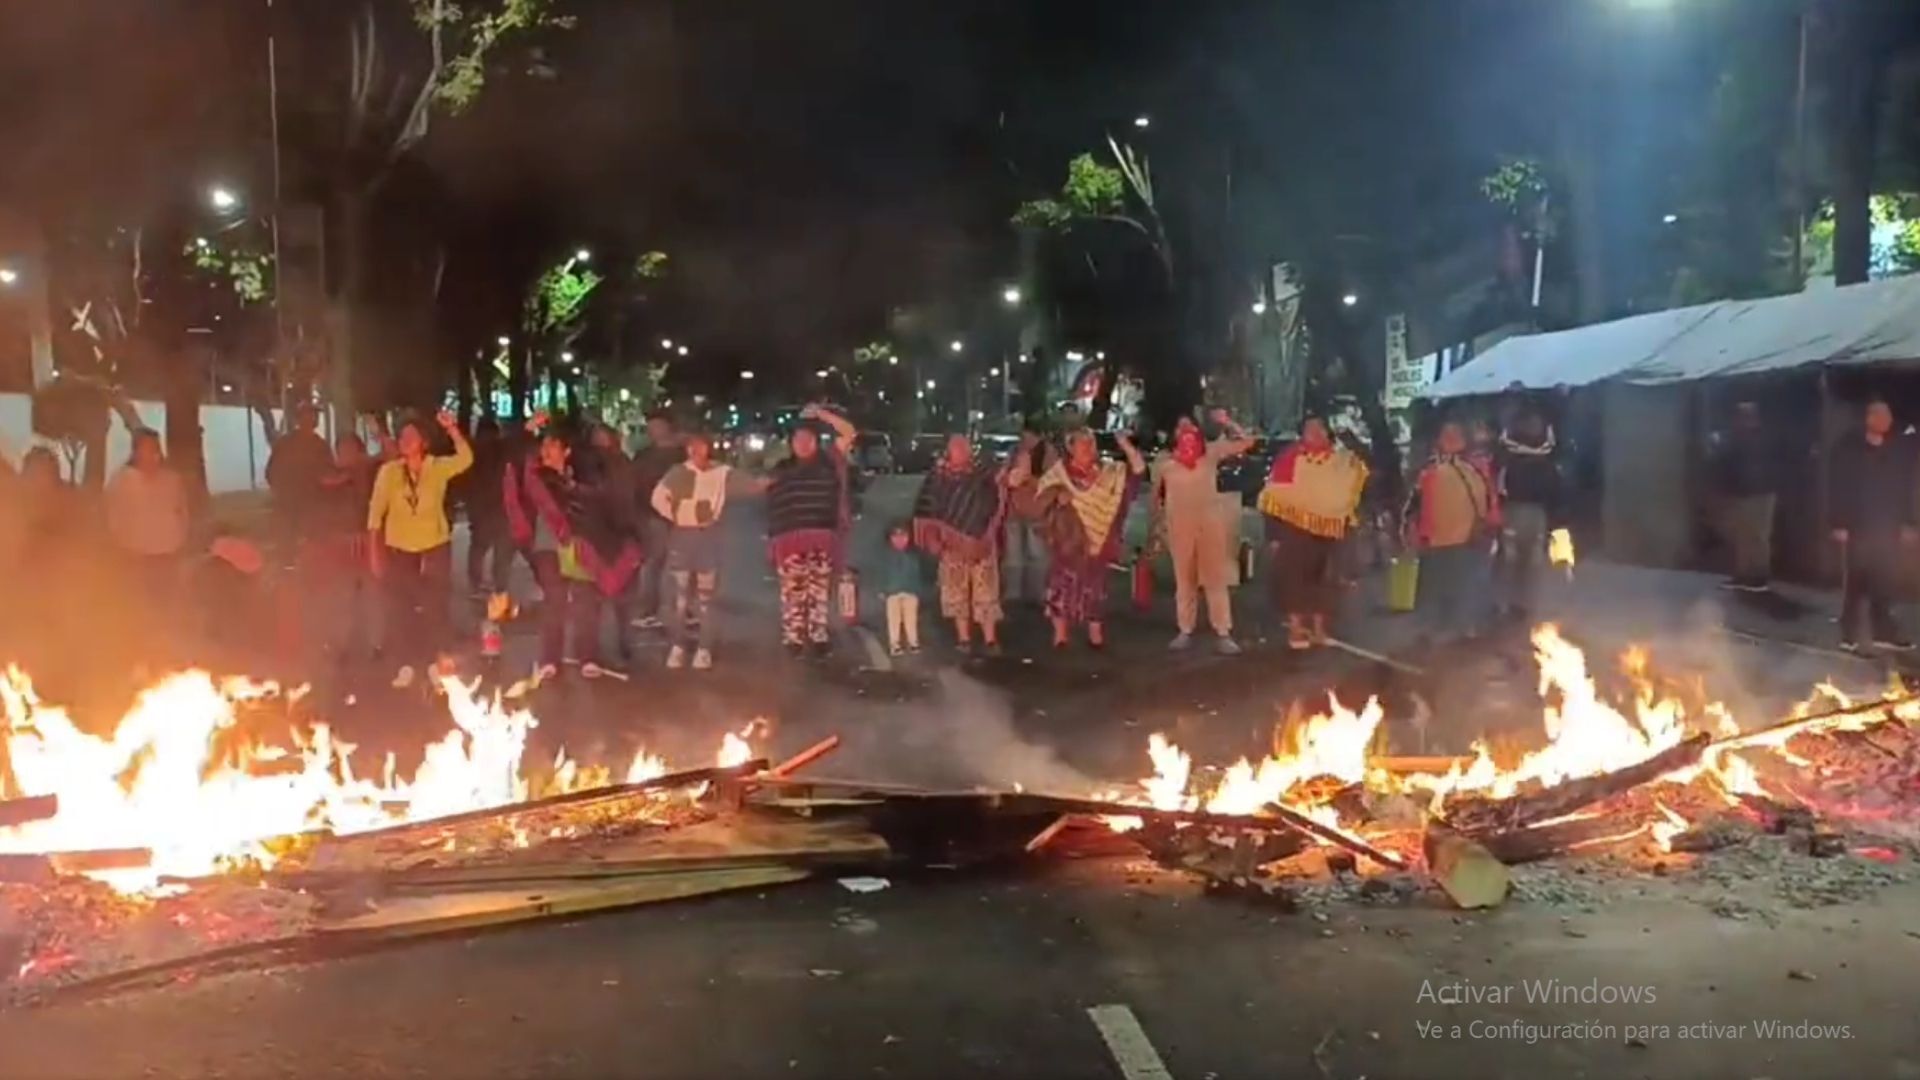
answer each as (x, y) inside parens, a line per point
(412, 514)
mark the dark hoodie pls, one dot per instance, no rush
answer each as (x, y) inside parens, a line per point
(1529, 472)
(1872, 486)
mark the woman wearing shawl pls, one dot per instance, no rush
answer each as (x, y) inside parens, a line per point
(579, 553)
(807, 517)
(1086, 500)
(957, 518)
(1453, 515)
(1309, 503)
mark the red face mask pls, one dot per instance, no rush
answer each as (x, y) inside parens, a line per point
(1188, 448)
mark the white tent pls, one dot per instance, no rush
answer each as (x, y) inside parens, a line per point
(1873, 323)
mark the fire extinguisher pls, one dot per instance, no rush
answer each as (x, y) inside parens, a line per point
(1142, 580)
(849, 591)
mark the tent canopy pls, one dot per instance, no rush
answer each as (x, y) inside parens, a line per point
(1873, 323)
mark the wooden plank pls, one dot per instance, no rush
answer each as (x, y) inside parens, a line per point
(421, 916)
(1479, 815)
(806, 757)
(28, 808)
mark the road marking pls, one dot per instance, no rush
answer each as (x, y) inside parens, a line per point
(877, 657)
(1128, 1043)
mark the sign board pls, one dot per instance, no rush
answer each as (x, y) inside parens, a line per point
(1406, 374)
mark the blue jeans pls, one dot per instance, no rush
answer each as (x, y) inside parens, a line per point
(1453, 589)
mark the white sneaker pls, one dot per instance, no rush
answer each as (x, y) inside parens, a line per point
(403, 678)
(676, 658)
(1181, 642)
(702, 660)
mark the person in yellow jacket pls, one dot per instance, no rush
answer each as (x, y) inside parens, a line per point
(410, 539)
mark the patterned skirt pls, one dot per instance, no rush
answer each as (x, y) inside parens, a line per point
(1077, 589)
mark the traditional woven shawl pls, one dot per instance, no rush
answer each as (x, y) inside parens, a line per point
(1100, 505)
(1315, 491)
(959, 509)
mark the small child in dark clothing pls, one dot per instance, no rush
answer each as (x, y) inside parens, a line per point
(901, 577)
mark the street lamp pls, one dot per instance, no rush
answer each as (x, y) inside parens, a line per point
(1669, 219)
(1349, 299)
(1143, 121)
(929, 384)
(821, 374)
(956, 345)
(1259, 307)
(8, 275)
(222, 198)
(504, 340)
(994, 372)
(666, 343)
(582, 255)
(683, 350)
(893, 360)
(1011, 294)
(747, 375)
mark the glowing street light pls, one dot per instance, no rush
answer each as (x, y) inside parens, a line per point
(1011, 294)
(566, 357)
(666, 343)
(994, 372)
(747, 375)
(894, 360)
(821, 374)
(1143, 121)
(504, 340)
(582, 255)
(1350, 299)
(1259, 307)
(683, 350)
(222, 198)
(929, 384)
(1670, 219)
(956, 345)
(8, 275)
(1101, 355)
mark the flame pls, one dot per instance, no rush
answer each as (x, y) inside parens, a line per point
(1560, 548)
(179, 777)
(737, 748)
(1664, 831)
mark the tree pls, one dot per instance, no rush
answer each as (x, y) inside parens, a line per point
(392, 94)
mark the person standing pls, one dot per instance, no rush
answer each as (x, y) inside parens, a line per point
(147, 517)
(1452, 512)
(1529, 493)
(900, 579)
(409, 539)
(1745, 480)
(1309, 501)
(662, 452)
(808, 513)
(1200, 534)
(1087, 501)
(580, 555)
(691, 498)
(1872, 509)
(299, 463)
(956, 518)
(1024, 568)
(489, 546)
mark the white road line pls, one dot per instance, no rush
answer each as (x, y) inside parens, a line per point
(1128, 1043)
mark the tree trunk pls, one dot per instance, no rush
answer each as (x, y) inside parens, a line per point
(356, 219)
(517, 384)
(186, 449)
(1855, 98)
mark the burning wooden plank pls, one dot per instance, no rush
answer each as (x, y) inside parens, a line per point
(28, 808)
(1535, 842)
(1475, 815)
(1859, 715)
(1466, 871)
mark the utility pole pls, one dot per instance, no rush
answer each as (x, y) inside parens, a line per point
(1797, 188)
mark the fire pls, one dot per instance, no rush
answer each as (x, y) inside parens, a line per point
(1670, 826)
(179, 777)
(1332, 745)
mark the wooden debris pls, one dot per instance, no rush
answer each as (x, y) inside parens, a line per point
(28, 808)
(806, 757)
(1774, 734)
(1536, 842)
(39, 867)
(1467, 872)
(1335, 836)
(1778, 817)
(1480, 816)
(1716, 832)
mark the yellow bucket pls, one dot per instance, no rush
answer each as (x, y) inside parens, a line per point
(1403, 582)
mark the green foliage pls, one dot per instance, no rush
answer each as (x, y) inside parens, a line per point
(246, 270)
(474, 33)
(558, 301)
(1897, 215)
(1091, 190)
(1516, 185)
(650, 266)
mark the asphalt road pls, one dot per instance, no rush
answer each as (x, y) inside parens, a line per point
(948, 975)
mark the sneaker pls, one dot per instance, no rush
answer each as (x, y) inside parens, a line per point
(676, 658)
(702, 660)
(591, 670)
(895, 650)
(1894, 644)
(404, 677)
(913, 649)
(1181, 642)
(1226, 646)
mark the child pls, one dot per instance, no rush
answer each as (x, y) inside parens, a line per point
(691, 496)
(900, 578)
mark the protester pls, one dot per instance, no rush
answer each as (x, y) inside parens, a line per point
(1024, 568)
(1530, 505)
(1745, 480)
(410, 540)
(579, 554)
(900, 578)
(808, 513)
(691, 498)
(1872, 517)
(345, 566)
(956, 518)
(1201, 537)
(146, 505)
(1088, 514)
(1309, 503)
(45, 505)
(299, 462)
(1453, 512)
(649, 466)
(489, 545)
